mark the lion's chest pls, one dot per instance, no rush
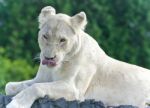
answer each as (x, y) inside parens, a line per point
(60, 74)
(56, 75)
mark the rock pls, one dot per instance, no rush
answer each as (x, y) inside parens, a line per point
(62, 103)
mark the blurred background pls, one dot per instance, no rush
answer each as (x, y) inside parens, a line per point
(121, 27)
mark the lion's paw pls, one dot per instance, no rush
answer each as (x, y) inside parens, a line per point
(10, 89)
(14, 104)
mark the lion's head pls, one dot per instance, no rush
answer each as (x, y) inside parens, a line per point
(58, 35)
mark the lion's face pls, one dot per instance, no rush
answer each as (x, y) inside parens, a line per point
(58, 37)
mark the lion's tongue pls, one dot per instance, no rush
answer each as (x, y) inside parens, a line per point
(49, 62)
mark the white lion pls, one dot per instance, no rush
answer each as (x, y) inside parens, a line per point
(73, 66)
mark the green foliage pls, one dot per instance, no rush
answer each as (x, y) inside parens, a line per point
(121, 27)
(16, 70)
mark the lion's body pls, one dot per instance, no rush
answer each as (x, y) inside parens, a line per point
(115, 82)
(84, 71)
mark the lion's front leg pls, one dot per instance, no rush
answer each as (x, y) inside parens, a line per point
(54, 90)
(24, 99)
(12, 88)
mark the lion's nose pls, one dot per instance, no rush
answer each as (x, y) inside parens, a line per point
(50, 58)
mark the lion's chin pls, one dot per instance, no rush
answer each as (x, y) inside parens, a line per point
(52, 65)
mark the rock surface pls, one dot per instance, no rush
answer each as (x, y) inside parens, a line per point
(62, 103)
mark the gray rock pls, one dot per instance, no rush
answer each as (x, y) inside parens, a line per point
(62, 103)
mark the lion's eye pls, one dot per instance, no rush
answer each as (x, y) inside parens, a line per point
(45, 37)
(62, 40)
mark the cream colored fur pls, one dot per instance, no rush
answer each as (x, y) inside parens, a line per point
(83, 70)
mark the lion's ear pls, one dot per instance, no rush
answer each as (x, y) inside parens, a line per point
(45, 12)
(79, 21)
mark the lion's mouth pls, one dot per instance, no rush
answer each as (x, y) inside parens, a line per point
(49, 62)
